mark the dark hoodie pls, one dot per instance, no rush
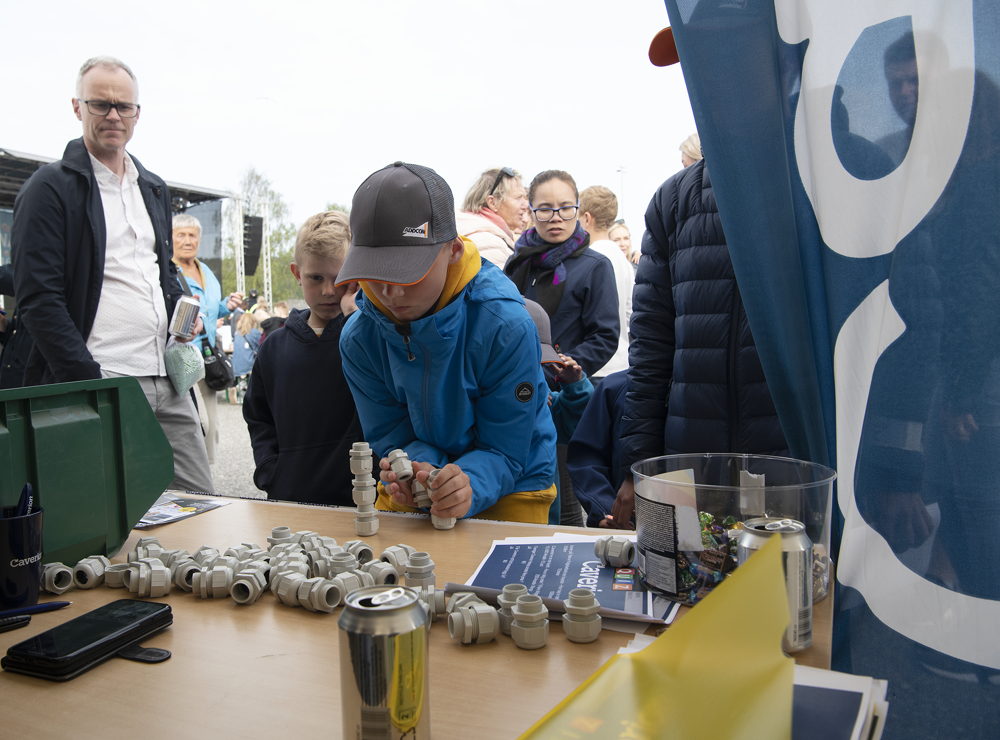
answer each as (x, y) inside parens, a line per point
(301, 415)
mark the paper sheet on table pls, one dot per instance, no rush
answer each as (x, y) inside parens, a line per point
(718, 673)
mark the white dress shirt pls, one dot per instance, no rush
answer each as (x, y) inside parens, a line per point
(624, 281)
(130, 328)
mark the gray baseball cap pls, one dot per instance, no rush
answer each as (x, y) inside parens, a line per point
(541, 320)
(401, 216)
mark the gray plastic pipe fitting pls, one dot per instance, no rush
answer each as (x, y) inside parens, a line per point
(204, 554)
(148, 577)
(474, 623)
(397, 556)
(280, 536)
(460, 599)
(150, 550)
(614, 552)
(420, 571)
(147, 541)
(114, 575)
(530, 628)
(89, 572)
(349, 581)
(421, 497)
(319, 595)
(360, 550)
(248, 586)
(434, 601)
(438, 521)
(183, 574)
(240, 552)
(57, 578)
(399, 462)
(581, 622)
(506, 600)
(361, 459)
(288, 588)
(365, 520)
(383, 573)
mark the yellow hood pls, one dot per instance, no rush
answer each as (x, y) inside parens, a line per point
(459, 276)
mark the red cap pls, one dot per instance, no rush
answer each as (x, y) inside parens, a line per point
(662, 49)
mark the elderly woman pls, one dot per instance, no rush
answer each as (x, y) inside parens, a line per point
(205, 287)
(493, 212)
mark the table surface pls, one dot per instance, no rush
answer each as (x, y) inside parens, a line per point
(267, 669)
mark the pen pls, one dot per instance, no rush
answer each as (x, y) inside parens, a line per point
(49, 606)
(26, 501)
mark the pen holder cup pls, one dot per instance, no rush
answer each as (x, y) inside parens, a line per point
(690, 509)
(20, 559)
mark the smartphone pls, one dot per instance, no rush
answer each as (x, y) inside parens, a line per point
(68, 650)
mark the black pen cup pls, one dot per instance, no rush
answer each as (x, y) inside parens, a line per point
(20, 559)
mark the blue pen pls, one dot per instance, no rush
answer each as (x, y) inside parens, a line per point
(49, 606)
(26, 502)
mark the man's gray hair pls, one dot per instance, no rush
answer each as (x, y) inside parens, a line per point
(475, 199)
(108, 63)
(184, 220)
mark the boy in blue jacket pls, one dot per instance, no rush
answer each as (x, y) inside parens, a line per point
(442, 358)
(298, 408)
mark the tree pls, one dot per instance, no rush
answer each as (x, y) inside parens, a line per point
(259, 197)
(331, 206)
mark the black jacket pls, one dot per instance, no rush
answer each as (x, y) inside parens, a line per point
(16, 340)
(301, 415)
(695, 383)
(58, 246)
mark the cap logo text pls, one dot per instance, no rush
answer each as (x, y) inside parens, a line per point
(418, 231)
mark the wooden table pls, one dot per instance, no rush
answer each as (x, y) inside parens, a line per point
(272, 671)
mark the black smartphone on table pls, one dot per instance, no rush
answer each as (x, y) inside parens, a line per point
(73, 647)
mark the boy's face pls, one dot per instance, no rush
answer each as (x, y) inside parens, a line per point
(411, 302)
(318, 277)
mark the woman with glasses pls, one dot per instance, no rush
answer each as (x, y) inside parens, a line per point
(554, 266)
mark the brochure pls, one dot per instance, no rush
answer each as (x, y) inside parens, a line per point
(170, 508)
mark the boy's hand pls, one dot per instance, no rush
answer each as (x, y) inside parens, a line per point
(451, 494)
(571, 373)
(623, 508)
(400, 490)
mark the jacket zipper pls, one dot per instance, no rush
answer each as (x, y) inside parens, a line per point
(734, 336)
(404, 331)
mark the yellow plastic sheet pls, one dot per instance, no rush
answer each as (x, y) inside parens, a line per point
(718, 673)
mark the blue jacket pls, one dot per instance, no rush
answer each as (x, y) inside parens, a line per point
(213, 305)
(301, 416)
(245, 348)
(593, 457)
(474, 394)
(57, 247)
(695, 382)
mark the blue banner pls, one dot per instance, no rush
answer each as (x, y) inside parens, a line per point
(854, 148)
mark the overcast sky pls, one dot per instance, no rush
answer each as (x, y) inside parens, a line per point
(317, 95)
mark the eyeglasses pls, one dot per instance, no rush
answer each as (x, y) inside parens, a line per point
(546, 214)
(504, 172)
(103, 107)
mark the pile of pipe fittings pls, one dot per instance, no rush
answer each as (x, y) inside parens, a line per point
(399, 463)
(364, 491)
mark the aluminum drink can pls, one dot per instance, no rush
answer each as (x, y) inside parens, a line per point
(797, 557)
(383, 665)
(185, 316)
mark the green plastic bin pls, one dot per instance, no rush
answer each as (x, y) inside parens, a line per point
(94, 453)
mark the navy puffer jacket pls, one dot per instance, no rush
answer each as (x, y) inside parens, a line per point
(695, 382)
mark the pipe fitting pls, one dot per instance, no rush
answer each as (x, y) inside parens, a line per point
(173, 557)
(443, 522)
(421, 496)
(152, 550)
(360, 550)
(365, 528)
(420, 571)
(507, 598)
(348, 581)
(383, 573)
(280, 536)
(614, 552)
(319, 595)
(183, 574)
(240, 552)
(222, 581)
(89, 572)
(288, 588)
(305, 534)
(204, 554)
(248, 586)
(364, 492)
(114, 575)
(159, 578)
(399, 462)
(57, 578)
(581, 622)
(147, 541)
(460, 599)
(397, 556)
(530, 628)
(474, 623)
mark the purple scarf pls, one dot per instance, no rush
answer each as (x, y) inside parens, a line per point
(533, 253)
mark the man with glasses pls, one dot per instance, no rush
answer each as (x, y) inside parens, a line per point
(494, 213)
(94, 280)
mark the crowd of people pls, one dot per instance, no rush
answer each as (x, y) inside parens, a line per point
(518, 344)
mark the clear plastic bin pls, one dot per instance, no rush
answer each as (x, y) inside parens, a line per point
(689, 511)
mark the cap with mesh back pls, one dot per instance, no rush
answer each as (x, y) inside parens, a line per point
(401, 216)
